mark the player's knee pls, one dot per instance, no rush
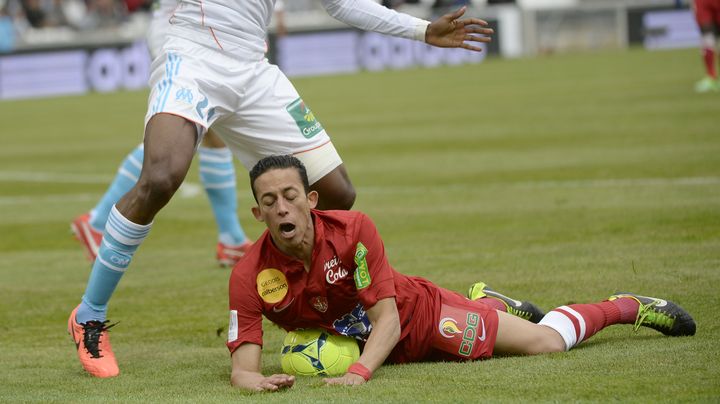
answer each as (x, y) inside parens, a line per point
(547, 343)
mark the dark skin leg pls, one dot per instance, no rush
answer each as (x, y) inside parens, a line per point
(335, 189)
(169, 149)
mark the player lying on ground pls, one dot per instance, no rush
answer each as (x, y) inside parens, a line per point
(212, 74)
(328, 270)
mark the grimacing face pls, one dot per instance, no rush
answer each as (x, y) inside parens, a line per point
(285, 208)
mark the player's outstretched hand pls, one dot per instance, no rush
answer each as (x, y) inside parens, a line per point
(349, 379)
(275, 383)
(449, 31)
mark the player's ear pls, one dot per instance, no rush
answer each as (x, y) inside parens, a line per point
(256, 212)
(313, 197)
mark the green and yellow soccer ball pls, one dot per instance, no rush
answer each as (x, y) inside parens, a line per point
(317, 353)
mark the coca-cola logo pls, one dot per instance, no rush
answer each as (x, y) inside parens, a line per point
(333, 276)
(332, 262)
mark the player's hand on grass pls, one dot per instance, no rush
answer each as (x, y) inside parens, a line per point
(274, 383)
(349, 379)
(449, 31)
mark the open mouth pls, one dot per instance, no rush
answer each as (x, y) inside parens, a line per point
(287, 229)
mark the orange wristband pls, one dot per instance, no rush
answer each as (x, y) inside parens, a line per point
(360, 370)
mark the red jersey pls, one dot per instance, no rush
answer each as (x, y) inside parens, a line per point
(349, 273)
(707, 12)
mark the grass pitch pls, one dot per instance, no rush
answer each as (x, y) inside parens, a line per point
(557, 180)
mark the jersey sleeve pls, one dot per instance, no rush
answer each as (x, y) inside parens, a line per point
(373, 274)
(371, 16)
(245, 312)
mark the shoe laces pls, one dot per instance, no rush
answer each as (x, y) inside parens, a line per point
(647, 315)
(91, 336)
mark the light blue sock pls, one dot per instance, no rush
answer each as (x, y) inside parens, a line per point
(126, 177)
(120, 240)
(217, 175)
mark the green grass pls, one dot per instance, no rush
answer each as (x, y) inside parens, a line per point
(557, 180)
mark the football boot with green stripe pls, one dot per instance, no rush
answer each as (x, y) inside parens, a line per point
(525, 310)
(661, 315)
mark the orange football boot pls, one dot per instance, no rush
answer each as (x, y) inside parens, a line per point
(87, 235)
(228, 256)
(93, 346)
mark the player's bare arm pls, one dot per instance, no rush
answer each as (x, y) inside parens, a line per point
(246, 371)
(384, 336)
(449, 31)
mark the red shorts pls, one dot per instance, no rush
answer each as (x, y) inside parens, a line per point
(707, 13)
(465, 330)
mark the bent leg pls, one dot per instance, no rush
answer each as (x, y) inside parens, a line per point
(517, 336)
(169, 147)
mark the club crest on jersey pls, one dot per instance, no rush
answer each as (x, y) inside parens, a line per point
(184, 94)
(320, 303)
(448, 327)
(272, 286)
(304, 118)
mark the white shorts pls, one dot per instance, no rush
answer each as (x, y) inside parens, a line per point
(251, 105)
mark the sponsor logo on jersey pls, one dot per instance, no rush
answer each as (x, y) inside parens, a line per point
(331, 263)
(320, 303)
(471, 333)
(333, 275)
(272, 286)
(362, 273)
(304, 118)
(448, 327)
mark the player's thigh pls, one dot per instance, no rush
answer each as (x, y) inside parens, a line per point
(517, 336)
(464, 329)
(169, 146)
(334, 188)
(273, 119)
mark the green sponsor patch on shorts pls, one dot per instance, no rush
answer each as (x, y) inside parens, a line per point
(304, 118)
(362, 273)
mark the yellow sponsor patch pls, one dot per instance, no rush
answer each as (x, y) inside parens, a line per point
(272, 286)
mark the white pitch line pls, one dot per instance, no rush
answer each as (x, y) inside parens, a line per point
(63, 178)
(191, 190)
(548, 184)
(45, 199)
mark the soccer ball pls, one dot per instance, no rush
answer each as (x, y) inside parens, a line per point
(317, 353)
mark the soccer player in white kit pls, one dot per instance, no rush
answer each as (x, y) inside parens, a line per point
(217, 176)
(212, 73)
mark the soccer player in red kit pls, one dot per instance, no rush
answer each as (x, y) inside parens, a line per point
(328, 269)
(707, 14)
